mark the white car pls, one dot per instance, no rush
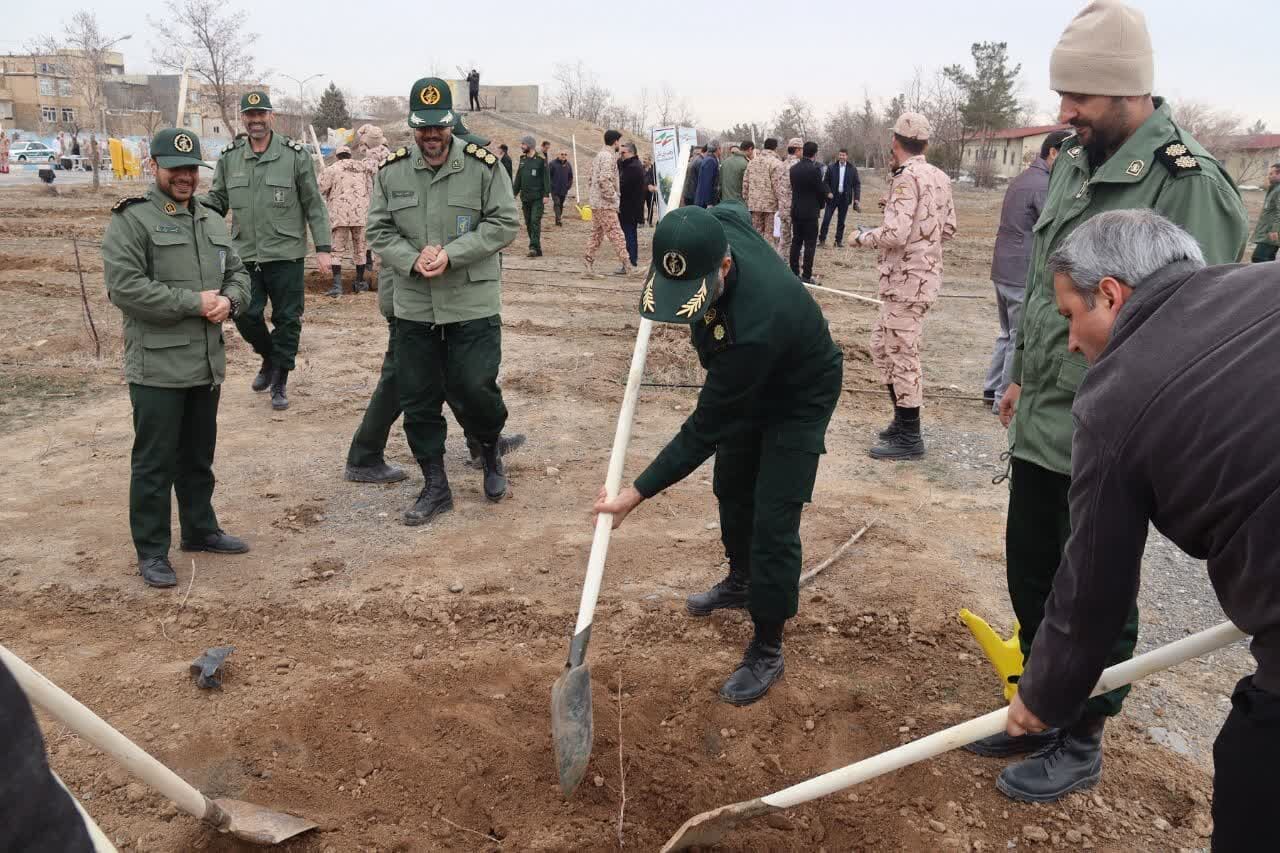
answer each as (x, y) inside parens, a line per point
(32, 152)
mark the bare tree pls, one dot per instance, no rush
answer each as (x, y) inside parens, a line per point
(840, 131)
(219, 46)
(579, 94)
(796, 118)
(385, 107)
(1212, 128)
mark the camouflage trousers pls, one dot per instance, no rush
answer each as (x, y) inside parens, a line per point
(604, 224)
(784, 244)
(762, 221)
(348, 242)
(895, 349)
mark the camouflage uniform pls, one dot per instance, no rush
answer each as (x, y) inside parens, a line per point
(760, 190)
(603, 194)
(918, 217)
(376, 153)
(783, 191)
(345, 187)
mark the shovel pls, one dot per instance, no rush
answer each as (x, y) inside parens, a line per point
(571, 717)
(245, 821)
(708, 828)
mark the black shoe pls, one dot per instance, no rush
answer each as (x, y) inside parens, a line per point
(359, 285)
(621, 270)
(728, 594)
(507, 445)
(263, 379)
(157, 572)
(839, 244)
(1003, 746)
(336, 290)
(279, 399)
(537, 253)
(807, 279)
(988, 398)
(761, 666)
(435, 497)
(531, 254)
(495, 473)
(219, 542)
(1073, 761)
(380, 473)
(907, 443)
(822, 244)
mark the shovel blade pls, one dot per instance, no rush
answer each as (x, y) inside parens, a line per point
(708, 828)
(571, 725)
(261, 826)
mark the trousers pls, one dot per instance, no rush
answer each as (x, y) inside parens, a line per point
(804, 237)
(631, 237)
(1009, 307)
(1245, 754)
(784, 241)
(557, 204)
(1263, 253)
(349, 242)
(895, 350)
(280, 283)
(533, 222)
(762, 221)
(604, 224)
(833, 206)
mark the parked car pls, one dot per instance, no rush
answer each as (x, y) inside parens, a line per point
(23, 152)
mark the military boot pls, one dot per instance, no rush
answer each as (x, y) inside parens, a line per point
(761, 666)
(336, 290)
(435, 497)
(728, 594)
(907, 444)
(379, 473)
(495, 472)
(279, 399)
(263, 379)
(895, 425)
(360, 285)
(1070, 762)
(1003, 746)
(157, 572)
(507, 445)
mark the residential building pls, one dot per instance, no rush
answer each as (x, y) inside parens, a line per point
(38, 93)
(1010, 151)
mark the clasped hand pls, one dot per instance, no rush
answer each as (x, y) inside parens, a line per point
(214, 307)
(432, 261)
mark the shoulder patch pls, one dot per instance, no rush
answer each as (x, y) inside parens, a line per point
(125, 202)
(484, 155)
(1178, 159)
(293, 143)
(398, 154)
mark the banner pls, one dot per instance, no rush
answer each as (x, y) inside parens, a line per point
(668, 142)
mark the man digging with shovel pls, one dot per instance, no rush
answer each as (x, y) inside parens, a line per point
(773, 380)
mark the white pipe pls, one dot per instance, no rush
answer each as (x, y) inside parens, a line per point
(577, 176)
(844, 293)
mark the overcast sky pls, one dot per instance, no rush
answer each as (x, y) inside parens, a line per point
(732, 62)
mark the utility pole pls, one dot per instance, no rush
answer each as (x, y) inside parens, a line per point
(301, 97)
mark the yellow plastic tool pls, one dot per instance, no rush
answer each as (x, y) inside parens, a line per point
(585, 212)
(1005, 655)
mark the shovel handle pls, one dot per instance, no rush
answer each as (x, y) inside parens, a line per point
(101, 844)
(63, 707)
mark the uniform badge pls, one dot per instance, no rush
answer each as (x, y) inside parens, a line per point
(170, 208)
(183, 143)
(222, 260)
(674, 264)
(709, 317)
(1176, 150)
(471, 148)
(456, 164)
(490, 159)
(646, 300)
(464, 224)
(430, 96)
(168, 229)
(279, 196)
(415, 121)
(1178, 159)
(694, 303)
(718, 332)
(1135, 168)
(419, 163)
(1073, 153)
(254, 99)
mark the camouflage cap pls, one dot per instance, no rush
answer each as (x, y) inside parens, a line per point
(688, 247)
(912, 126)
(342, 149)
(795, 142)
(255, 100)
(431, 103)
(175, 147)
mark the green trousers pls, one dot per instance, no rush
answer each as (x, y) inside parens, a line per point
(1036, 532)
(533, 222)
(279, 282)
(369, 444)
(174, 434)
(1264, 252)
(454, 361)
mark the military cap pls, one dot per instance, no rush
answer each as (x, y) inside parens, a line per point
(255, 101)
(175, 147)
(912, 126)
(431, 103)
(460, 131)
(342, 149)
(689, 245)
(795, 142)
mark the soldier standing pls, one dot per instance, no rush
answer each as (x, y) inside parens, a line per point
(268, 183)
(533, 184)
(773, 381)
(1266, 234)
(919, 216)
(760, 188)
(345, 187)
(604, 195)
(172, 271)
(440, 215)
(783, 191)
(376, 152)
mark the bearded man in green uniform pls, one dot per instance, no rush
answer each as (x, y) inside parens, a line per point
(438, 219)
(1126, 153)
(773, 381)
(171, 269)
(268, 182)
(533, 184)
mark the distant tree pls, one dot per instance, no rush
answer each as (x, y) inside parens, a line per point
(990, 101)
(385, 107)
(897, 106)
(796, 118)
(872, 143)
(742, 131)
(579, 94)
(840, 131)
(1258, 128)
(673, 110)
(331, 112)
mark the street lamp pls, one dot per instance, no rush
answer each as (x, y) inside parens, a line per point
(301, 96)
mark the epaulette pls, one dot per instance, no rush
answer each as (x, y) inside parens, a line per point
(398, 154)
(1178, 159)
(294, 144)
(125, 202)
(239, 140)
(484, 155)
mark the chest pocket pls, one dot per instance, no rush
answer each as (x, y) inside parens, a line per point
(216, 255)
(238, 192)
(173, 259)
(403, 207)
(280, 191)
(465, 191)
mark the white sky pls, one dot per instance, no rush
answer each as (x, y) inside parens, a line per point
(732, 62)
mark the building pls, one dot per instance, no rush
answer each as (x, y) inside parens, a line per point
(1247, 158)
(1010, 151)
(38, 92)
(509, 99)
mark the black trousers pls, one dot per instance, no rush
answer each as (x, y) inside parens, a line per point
(475, 100)
(280, 282)
(1263, 253)
(1245, 756)
(557, 204)
(174, 434)
(834, 206)
(370, 441)
(804, 234)
(650, 200)
(632, 239)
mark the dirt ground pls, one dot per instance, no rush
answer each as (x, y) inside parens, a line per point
(402, 716)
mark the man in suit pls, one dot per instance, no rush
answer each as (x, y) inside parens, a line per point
(846, 189)
(808, 194)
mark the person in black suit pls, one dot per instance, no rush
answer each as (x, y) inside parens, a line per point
(846, 189)
(808, 195)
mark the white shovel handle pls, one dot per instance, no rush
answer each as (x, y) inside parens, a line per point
(989, 724)
(101, 844)
(63, 707)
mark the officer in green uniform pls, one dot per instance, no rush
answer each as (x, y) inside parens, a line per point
(1266, 234)
(172, 271)
(533, 184)
(773, 380)
(1126, 153)
(438, 219)
(268, 183)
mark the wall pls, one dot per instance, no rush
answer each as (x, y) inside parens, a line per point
(508, 99)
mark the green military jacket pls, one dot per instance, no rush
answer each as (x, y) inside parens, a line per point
(533, 178)
(770, 361)
(272, 197)
(459, 206)
(157, 256)
(1160, 167)
(732, 172)
(1269, 217)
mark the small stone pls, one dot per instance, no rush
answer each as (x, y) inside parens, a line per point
(1202, 825)
(1031, 832)
(419, 651)
(598, 781)
(135, 792)
(780, 821)
(724, 733)
(326, 574)
(1074, 836)
(542, 570)
(902, 730)
(553, 471)
(365, 768)
(937, 825)
(808, 725)
(174, 727)
(1161, 824)
(456, 586)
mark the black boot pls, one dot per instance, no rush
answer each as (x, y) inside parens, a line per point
(279, 379)
(495, 473)
(895, 425)
(1072, 761)
(217, 542)
(360, 285)
(907, 444)
(336, 290)
(435, 497)
(761, 666)
(728, 594)
(379, 473)
(263, 379)
(507, 445)
(157, 572)
(1003, 746)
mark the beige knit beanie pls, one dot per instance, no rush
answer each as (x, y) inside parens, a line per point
(1105, 50)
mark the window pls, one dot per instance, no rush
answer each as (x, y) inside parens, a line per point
(68, 115)
(48, 86)
(217, 129)
(49, 114)
(64, 88)
(44, 68)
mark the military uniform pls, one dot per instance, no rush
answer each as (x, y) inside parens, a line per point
(773, 381)
(273, 198)
(732, 174)
(533, 184)
(604, 195)
(158, 256)
(783, 191)
(1268, 227)
(764, 179)
(344, 184)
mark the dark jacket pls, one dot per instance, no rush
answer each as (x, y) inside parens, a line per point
(708, 182)
(473, 82)
(561, 177)
(1023, 202)
(690, 189)
(852, 183)
(808, 190)
(505, 160)
(631, 190)
(1176, 426)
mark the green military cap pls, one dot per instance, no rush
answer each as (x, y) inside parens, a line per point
(688, 248)
(460, 131)
(175, 147)
(255, 101)
(431, 103)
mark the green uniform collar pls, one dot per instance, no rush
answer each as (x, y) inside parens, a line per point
(272, 151)
(1136, 157)
(166, 205)
(452, 164)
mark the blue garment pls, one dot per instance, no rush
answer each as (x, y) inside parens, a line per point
(708, 182)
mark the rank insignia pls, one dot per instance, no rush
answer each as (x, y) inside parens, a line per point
(1176, 150)
(709, 317)
(125, 202)
(170, 208)
(694, 304)
(456, 164)
(1135, 168)
(646, 300)
(490, 159)
(1178, 159)
(471, 148)
(1073, 153)
(718, 332)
